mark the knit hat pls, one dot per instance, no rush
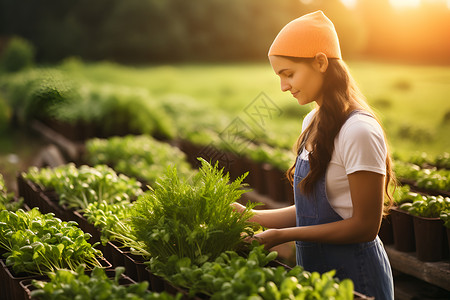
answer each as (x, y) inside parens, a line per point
(306, 36)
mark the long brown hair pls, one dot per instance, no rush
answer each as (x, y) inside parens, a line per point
(338, 89)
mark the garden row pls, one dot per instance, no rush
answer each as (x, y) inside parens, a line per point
(43, 257)
(125, 153)
(196, 250)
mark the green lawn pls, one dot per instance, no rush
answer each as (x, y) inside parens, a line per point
(411, 100)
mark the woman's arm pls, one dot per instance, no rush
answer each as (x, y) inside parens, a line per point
(272, 218)
(367, 194)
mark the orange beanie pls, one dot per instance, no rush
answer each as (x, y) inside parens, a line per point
(306, 36)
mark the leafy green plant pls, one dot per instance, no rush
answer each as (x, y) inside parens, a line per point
(403, 194)
(427, 206)
(422, 159)
(38, 243)
(142, 156)
(113, 220)
(430, 179)
(443, 160)
(77, 187)
(7, 200)
(231, 276)
(445, 216)
(67, 284)
(192, 218)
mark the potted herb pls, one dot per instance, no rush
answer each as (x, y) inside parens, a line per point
(428, 227)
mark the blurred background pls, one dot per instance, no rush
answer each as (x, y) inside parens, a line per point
(153, 31)
(207, 59)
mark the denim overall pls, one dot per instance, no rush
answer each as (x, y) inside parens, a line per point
(366, 264)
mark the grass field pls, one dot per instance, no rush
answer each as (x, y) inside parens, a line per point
(411, 100)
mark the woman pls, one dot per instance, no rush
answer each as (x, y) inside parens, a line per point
(342, 170)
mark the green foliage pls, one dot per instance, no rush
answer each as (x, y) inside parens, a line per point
(38, 243)
(441, 160)
(49, 94)
(38, 92)
(18, 55)
(77, 187)
(7, 200)
(430, 179)
(427, 206)
(66, 284)
(113, 220)
(139, 156)
(445, 216)
(403, 194)
(263, 153)
(194, 218)
(132, 109)
(231, 276)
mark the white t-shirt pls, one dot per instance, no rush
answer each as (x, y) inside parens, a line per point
(359, 146)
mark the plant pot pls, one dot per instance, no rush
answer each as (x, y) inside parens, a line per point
(117, 254)
(448, 240)
(87, 227)
(13, 288)
(4, 282)
(386, 233)
(429, 235)
(47, 201)
(137, 264)
(156, 282)
(403, 229)
(28, 191)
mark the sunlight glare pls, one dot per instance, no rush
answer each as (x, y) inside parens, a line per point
(350, 3)
(404, 3)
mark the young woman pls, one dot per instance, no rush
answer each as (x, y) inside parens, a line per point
(342, 171)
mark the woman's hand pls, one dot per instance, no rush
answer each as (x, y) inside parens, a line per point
(269, 238)
(238, 207)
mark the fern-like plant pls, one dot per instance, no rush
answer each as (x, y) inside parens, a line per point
(192, 217)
